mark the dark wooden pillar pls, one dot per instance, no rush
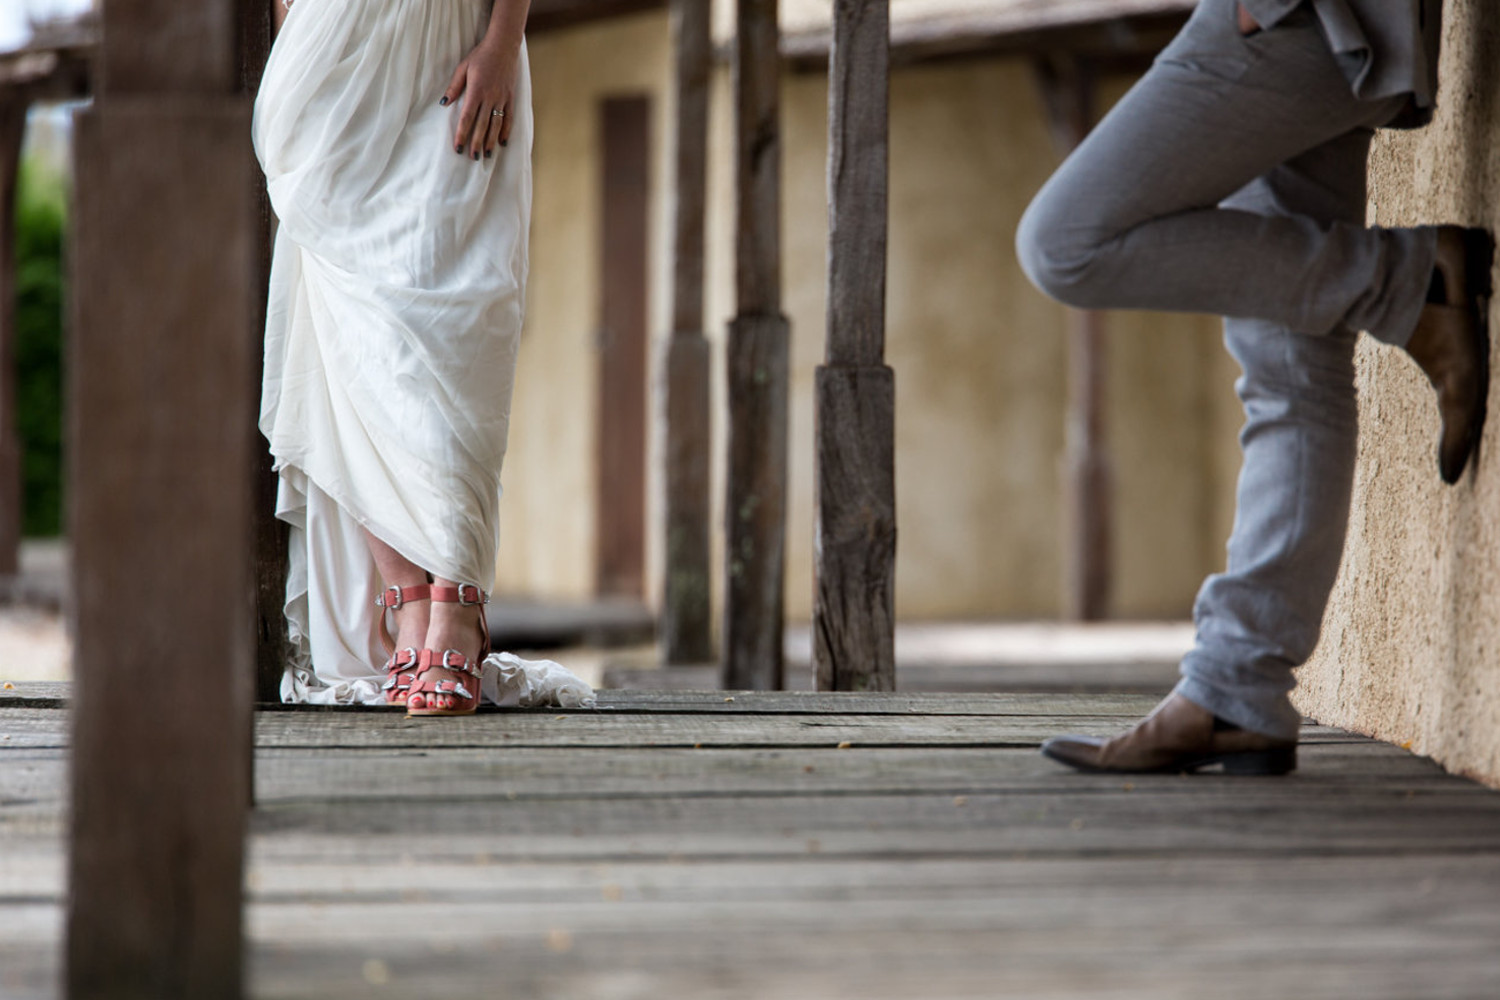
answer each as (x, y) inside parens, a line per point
(161, 422)
(12, 131)
(854, 599)
(1068, 90)
(273, 646)
(759, 342)
(685, 633)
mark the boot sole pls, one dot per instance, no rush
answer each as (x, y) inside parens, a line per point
(1479, 262)
(1244, 763)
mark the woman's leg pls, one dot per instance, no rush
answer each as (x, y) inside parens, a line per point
(439, 626)
(452, 626)
(411, 619)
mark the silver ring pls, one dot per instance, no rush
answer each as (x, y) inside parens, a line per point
(497, 113)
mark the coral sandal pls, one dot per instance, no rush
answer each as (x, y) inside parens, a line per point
(400, 668)
(457, 688)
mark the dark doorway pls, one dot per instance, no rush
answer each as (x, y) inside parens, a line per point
(623, 352)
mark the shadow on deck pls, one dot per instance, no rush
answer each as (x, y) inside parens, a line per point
(800, 845)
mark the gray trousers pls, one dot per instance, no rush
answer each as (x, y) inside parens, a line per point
(1231, 180)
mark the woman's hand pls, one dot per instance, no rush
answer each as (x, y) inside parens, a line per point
(486, 80)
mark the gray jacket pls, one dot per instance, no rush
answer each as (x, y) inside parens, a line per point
(1391, 46)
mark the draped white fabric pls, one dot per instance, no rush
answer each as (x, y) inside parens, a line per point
(394, 315)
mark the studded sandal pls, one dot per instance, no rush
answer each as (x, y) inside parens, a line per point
(400, 667)
(465, 700)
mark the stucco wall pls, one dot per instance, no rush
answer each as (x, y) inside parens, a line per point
(978, 353)
(1411, 642)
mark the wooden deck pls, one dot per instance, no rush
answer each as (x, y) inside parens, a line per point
(799, 845)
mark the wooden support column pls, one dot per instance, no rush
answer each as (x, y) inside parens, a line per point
(273, 647)
(855, 542)
(161, 422)
(1068, 89)
(12, 131)
(686, 630)
(758, 363)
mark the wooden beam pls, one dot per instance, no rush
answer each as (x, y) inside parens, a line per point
(686, 630)
(160, 425)
(759, 362)
(1122, 40)
(1068, 87)
(12, 131)
(855, 539)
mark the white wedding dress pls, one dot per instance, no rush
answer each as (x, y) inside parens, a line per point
(394, 315)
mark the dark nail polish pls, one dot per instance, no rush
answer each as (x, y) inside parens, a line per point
(443, 103)
(505, 142)
(488, 153)
(476, 154)
(459, 148)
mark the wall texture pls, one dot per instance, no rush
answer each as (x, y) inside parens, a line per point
(978, 353)
(1411, 643)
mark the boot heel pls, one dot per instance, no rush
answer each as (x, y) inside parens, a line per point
(1265, 762)
(1479, 253)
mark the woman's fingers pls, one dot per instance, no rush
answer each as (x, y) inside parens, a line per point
(480, 129)
(505, 122)
(455, 85)
(492, 134)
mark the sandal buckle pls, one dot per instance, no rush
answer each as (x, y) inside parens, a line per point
(480, 597)
(386, 600)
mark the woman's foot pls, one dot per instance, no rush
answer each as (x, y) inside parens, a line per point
(456, 637)
(411, 616)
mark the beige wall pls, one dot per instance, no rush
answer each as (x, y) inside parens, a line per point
(1411, 643)
(547, 529)
(978, 353)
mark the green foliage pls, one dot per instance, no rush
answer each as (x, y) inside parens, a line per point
(40, 223)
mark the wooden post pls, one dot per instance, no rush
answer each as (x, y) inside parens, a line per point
(1068, 88)
(855, 542)
(161, 421)
(758, 364)
(273, 647)
(12, 131)
(685, 634)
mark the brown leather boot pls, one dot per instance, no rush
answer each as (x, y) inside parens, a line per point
(1178, 736)
(1451, 343)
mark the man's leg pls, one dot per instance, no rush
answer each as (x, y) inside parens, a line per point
(1133, 219)
(1261, 617)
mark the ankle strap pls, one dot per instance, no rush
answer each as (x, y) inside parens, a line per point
(392, 598)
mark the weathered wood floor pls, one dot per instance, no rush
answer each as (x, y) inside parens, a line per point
(681, 845)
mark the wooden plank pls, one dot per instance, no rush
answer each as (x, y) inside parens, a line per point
(582, 729)
(758, 367)
(12, 131)
(620, 487)
(1255, 821)
(1079, 678)
(686, 632)
(160, 432)
(530, 774)
(1068, 87)
(905, 702)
